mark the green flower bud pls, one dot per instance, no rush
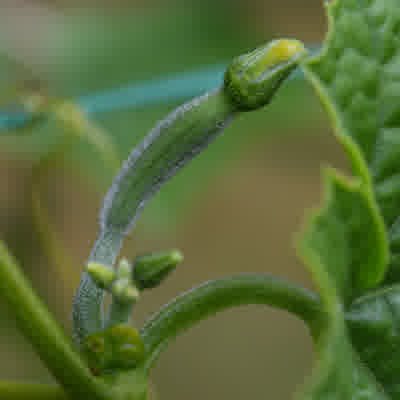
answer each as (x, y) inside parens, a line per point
(124, 269)
(127, 347)
(103, 276)
(124, 292)
(119, 347)
(150, 270)
(252, 79)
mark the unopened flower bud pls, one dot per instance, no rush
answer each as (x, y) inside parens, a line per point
(252, 79)
(150, 270)
(103, 275)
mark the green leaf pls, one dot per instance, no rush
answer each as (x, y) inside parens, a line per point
(346, 254)
(374, 322)
(340, 374)
(346, 246)
(347, 239)
(358, 77)
(393, 274)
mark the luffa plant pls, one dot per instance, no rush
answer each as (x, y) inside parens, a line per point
(351, 245)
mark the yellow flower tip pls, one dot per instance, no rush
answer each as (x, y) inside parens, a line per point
(282, 50)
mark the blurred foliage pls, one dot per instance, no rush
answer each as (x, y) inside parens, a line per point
(92, 52)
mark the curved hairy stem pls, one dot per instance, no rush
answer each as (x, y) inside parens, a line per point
(39, 327)
(250, 83)
(221, 294)
(31, 391)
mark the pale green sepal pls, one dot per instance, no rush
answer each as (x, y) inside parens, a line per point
(125, 293)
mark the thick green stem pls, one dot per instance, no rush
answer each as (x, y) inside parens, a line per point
(39, 328)
(221, 294)
(31, 391)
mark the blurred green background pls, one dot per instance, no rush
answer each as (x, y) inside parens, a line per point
(234, 209)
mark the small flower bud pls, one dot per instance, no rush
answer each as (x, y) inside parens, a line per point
(124, 269)
(150, 270)
(102, 275)
(252, 79)
(127, 346)
(124, 291)
(119, 347)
